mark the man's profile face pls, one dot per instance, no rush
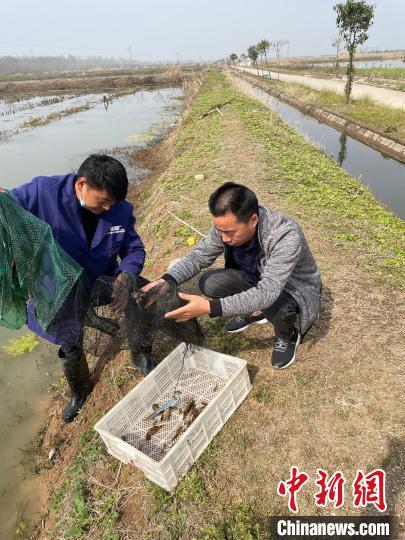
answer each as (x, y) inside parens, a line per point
(95, 200)
(234, 232)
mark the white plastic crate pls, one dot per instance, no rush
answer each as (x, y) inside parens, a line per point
(217, 379)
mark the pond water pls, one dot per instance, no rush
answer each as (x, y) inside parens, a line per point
(14, 114)
(61, 146)
(24, 382)
(56, 148)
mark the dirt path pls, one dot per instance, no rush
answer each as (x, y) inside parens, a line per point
(340, 404)
(338, 408)
(391, 98)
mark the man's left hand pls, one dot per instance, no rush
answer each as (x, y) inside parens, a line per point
(197, 305)
(120, 294)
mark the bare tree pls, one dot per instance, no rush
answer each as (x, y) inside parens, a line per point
(277, 46)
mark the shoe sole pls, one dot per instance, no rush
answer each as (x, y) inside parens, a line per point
(293, 358)
(262, 321)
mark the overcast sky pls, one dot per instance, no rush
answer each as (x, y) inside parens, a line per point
(181, 29)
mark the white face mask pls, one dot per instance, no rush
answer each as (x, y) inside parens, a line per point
(81, 200)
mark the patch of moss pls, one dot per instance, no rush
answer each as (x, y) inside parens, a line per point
(21, 345)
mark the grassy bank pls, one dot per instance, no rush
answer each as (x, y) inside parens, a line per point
(337, 408)
(392, 78)
(97, 72)
(396, 73)
(111, 81)
(388, 121)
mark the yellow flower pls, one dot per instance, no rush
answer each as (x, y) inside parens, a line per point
(191, 241)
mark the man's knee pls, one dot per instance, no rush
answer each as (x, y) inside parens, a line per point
(283, 309)
(209, 284)
(287, 310)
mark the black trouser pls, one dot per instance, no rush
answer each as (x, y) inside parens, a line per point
(228, 281)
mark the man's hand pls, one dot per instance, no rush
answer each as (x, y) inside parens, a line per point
(150, 293)
(120, 295)
(152, 284)
(197, 305)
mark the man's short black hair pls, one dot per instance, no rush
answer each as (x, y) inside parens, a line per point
(235, 198)
(105, 172)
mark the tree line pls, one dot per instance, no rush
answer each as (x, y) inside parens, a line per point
(40, 64)
(353, 20)
(263, 49)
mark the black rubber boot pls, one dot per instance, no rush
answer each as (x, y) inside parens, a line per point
(143, 360)
(77, 374)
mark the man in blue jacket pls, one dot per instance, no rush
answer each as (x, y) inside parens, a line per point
(94, 224)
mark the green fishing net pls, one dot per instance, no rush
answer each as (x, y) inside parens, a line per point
(72, 311)
(32, 266)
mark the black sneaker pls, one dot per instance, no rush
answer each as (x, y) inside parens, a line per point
(241, 322)
(284, 351)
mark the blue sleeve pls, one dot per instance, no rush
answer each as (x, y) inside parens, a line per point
(26, 196)
(132, 253)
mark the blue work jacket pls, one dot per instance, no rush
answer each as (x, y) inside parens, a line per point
(53, 200)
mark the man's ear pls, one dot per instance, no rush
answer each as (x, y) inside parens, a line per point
(81, 181)
(254, 219)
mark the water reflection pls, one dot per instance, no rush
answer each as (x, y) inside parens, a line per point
(342, 149)
(384, 176)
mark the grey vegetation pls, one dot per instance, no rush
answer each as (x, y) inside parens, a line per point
(42, 64)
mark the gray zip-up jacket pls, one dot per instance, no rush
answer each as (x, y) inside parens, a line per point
(284, 260)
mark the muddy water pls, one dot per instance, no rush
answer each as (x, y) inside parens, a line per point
(56, 149)
(24, 383)
(384, 176)
(14, 114)
(60, 147)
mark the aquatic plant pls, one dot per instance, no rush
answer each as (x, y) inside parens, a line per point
(21, 345)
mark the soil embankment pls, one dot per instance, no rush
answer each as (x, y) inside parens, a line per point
(337, 408)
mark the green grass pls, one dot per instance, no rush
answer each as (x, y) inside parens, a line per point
(81, 506)
(347, 209)
(171, 508)
(239, 521)
(396, 73)
(239, 524)
(204, 506)
(388, 120)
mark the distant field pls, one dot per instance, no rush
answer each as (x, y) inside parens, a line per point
(95, 81)
(382, 73)
(366, 57)
(80, 73)
(374, 74)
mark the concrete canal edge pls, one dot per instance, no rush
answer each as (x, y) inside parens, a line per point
(356, 130)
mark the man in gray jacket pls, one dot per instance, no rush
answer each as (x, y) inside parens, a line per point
(269, 275)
